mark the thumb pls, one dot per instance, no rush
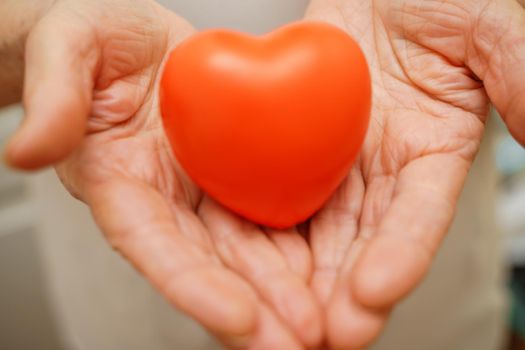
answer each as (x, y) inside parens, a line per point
(498, 58)
(60, 60)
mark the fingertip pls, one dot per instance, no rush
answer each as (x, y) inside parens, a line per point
(30, 150)
(351, 326)
(16, 156)
(271, 333)
(53, 128)
(387, 271)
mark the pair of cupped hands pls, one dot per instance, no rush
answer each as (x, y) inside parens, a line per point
(91, 96)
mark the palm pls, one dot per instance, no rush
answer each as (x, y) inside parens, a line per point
(153, 214)
(371, 243)
(427, 122)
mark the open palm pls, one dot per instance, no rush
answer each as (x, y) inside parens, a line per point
(91, 95)
(92, 71)
(434, 65)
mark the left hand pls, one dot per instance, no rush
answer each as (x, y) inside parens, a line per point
(434, 66)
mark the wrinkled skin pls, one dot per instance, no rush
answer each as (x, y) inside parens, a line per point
(434, 64)
(435, 67)
(93, 68)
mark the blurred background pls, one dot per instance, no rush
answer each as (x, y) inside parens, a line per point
(25, 318)
(41, 227)
(510, 162)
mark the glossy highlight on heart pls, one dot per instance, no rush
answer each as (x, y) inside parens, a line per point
(268, 126)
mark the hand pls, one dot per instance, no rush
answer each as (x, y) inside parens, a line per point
(92, 71)
(435, 65)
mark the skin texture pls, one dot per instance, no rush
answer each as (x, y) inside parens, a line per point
(92, 69)
(434, 66)
(14, 29)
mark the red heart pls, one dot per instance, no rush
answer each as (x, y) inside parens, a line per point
(268, 126)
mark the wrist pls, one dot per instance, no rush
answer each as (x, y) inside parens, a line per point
(17, 19)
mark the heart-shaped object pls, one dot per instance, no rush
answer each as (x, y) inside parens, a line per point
(267, 126)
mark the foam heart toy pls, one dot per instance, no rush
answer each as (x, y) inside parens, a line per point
(268, 126)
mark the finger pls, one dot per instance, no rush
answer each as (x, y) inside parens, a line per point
(60, 61)
(20, 16)
(399, 254)
(332, 232)
(351, 325)
(146, 231)
(269, 334)
(294, 249)
(497, 56)
(247, 250)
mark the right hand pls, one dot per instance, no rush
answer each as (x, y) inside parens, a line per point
(91, 99)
